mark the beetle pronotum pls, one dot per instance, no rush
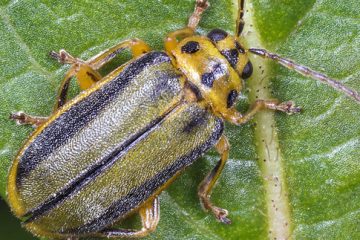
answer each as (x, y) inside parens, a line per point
(179, 93)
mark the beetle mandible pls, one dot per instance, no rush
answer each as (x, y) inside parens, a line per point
(179, 97)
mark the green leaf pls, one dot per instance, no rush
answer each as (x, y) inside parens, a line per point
(288, 176)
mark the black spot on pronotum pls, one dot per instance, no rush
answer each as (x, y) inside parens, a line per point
(217, 35)
(232, 56)
(248, 70)
(233, 94)
(190, 47)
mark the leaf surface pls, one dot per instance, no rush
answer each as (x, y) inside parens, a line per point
(313, 157)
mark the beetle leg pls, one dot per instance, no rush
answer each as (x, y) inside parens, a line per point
(85, 74)
(172, 38)
(207, 184)
(240, 23)
(86, 71)
(200, 7)
(150, 216)
(23, 118)
(137, 47)
(237, 118)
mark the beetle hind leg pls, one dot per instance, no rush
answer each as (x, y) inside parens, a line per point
(208, 183)
(150, 216)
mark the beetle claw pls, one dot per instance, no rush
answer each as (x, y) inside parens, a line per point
(63, 57)
(221, 215)
(18, 117)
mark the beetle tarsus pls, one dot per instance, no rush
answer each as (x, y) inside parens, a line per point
(221, 214)
(18, 117)
(200, 7)
(22, 118)
(63, 57)
(288, 107)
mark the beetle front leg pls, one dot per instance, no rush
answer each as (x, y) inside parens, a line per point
(172, 38)
(237, 118)
(23, 118)
(150, 216)
(200, 7)
(208, 183)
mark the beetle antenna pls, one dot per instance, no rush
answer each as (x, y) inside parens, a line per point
(305, 71)
(240, 23)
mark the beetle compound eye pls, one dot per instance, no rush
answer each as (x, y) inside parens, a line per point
(248, 70)
(217, 35)
(190, 47)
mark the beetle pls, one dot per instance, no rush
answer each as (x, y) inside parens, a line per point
(179, 97)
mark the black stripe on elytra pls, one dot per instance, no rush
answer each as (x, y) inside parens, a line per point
(95, 170)
(92, 76)
(138, 195)
(80, 114)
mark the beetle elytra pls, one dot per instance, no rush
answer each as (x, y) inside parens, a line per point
(88, 166)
